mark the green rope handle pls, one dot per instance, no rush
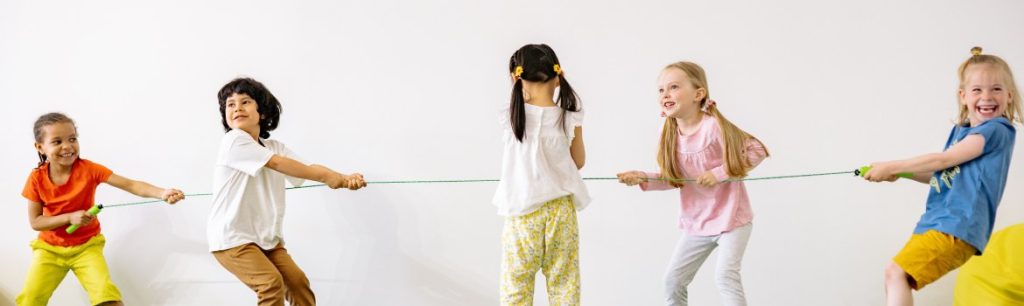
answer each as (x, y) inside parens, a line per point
(864, 170)
(95, 210)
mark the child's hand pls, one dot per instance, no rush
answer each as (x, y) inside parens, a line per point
(707, 179)
(632, 178)
(79, 218)
(881, 172)
(354, 181)
(172, 195)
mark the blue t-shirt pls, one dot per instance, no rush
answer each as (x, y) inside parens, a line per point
(962, 200)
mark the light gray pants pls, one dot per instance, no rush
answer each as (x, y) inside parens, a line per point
(690, 253)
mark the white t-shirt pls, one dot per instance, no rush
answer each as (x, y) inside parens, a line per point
(539, 168)
(248, 198)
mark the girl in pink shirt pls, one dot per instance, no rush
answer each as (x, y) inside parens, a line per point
(699, 145)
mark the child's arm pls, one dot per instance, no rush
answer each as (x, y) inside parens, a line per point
(579, 154)
(924, 165)
(317, 173)
(754, 152)
(144, 189)
(40, 222)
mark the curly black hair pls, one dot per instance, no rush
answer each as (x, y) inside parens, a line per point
(267, 105)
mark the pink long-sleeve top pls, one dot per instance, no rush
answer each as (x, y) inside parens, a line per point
(708, 211)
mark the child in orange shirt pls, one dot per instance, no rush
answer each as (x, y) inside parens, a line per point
(59, 191)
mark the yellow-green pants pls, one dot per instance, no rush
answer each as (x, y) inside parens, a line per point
(51, 263)
(546, 240)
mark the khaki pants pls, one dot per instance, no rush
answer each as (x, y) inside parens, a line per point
(270, 273)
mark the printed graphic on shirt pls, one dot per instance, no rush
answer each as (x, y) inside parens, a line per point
(947, 175)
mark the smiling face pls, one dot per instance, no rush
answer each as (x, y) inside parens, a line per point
(241, 112)
(984, 94)
(677, 95)
(59, 143)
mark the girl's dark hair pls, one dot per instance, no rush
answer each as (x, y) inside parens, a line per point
(43, 121)
(266, 104)
(538, 63)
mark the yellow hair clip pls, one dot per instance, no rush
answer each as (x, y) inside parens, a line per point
(558, 69)
(519, 71)
(976, 51)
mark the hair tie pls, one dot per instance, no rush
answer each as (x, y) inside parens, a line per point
(709, 104)
(558, 69)
(518, 72)
(976, 51)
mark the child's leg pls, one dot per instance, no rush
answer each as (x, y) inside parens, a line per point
(91, 269)
(251, 266)
(561, 266)
(897, 286)
(298, 292)
(926, 257)
(45, 273)
(689, 254)
(731, 246)
(522, 244)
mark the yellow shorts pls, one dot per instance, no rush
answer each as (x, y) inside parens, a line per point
(51, 263)
(930, 255)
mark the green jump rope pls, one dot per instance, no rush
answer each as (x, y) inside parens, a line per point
(857, 172)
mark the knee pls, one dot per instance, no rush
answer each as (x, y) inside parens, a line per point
(296, 280)
(674, 281)
(894, 272)
(727, 278)
(272, 286)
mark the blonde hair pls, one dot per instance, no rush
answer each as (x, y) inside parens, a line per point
(733, 137)
(1013, 110)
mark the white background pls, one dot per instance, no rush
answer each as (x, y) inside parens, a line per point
(409, 90)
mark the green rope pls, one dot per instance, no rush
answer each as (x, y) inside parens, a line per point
(778, 177)
(494, 180)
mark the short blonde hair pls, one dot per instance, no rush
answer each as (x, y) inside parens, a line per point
(1013, 110)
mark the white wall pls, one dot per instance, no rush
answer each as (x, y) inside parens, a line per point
(408, 90)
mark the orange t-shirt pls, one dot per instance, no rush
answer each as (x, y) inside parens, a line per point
(77, 193)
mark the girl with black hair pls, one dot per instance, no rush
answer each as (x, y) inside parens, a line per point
(60, 191)
(540, 188)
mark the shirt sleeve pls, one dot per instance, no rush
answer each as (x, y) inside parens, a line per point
(996, 134)
(241, 152)
(98, 173)
(30, 192)
(572, 121)
(754, 152)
